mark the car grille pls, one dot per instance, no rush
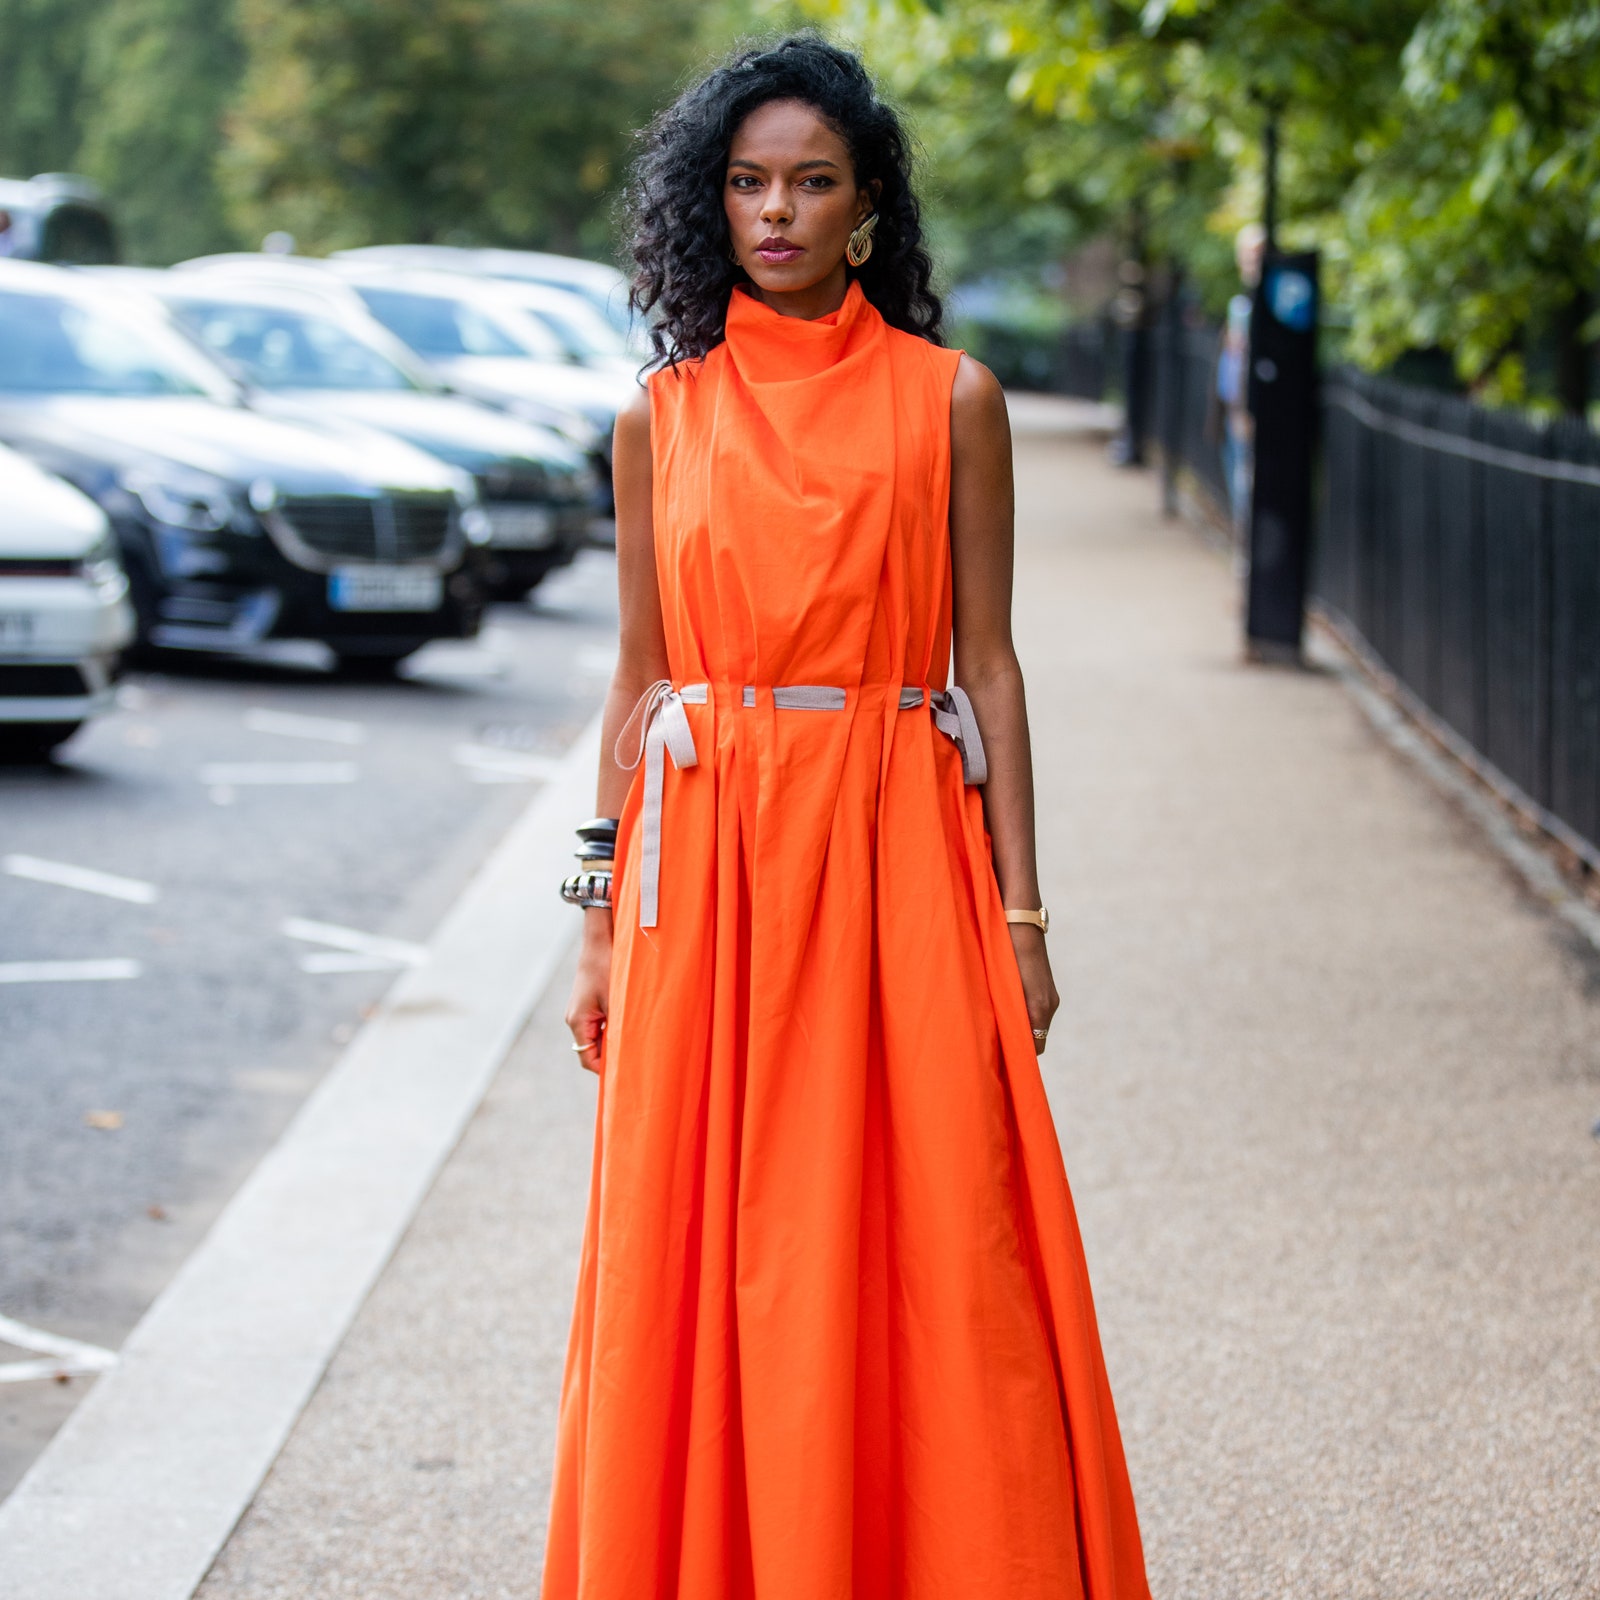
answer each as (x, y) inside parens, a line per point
(514, 483)
(408, 528)
(41, 682)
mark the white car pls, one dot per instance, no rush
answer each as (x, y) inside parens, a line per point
(65, 618)
(603, 287)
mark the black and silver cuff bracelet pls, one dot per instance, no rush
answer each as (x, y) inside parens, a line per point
(590, 885)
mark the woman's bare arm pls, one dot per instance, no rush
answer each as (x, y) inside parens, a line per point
(642, 639)
(641, 659)
(981, 544)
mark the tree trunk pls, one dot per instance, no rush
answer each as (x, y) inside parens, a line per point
(1573, 353)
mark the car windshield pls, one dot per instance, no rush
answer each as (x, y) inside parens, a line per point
(52, 344)
(584, 334)
(442, 327)
(286, 349)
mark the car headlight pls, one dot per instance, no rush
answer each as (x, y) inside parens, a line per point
(475, 525)
(177, 498)
(102, 566)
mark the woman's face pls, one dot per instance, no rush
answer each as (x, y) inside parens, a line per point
(791, 198)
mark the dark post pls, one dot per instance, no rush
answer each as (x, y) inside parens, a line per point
(1269, 217)
(1129, 310)
(1283, 402)
(1173, 371)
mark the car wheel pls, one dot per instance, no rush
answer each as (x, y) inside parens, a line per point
(33, 741)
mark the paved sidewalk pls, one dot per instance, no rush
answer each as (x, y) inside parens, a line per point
(1324, 1075)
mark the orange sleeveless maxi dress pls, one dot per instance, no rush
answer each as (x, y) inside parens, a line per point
(834, 1337)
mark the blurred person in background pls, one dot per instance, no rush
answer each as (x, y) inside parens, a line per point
(834, 1332)
(1233, 376)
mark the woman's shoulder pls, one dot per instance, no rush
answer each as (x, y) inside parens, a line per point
(974, 387)
(936, 363)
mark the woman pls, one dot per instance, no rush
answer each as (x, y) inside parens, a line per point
(833, 1334)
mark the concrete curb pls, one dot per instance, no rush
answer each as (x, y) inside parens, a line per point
(137, 1493)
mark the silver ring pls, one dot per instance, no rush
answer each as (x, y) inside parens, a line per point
(580, 1048)
(1041, 1033)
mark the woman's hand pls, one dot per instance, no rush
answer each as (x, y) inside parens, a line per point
(591, 988)
(1039, 987)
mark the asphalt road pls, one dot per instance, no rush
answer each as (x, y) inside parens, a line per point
(278, 839)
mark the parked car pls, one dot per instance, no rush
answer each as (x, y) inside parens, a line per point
(300, 358)
(603, 287)
(583, 333)
(55, 217)
(550, 403)
(233, 527)
(477, 337)
(64, 613)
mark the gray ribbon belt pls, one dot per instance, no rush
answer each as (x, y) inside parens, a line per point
(664, 730)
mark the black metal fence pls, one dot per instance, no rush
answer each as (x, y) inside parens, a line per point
(1460, 547)
(1463, 546)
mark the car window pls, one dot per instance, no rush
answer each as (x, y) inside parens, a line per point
(584, 334)
(286, 349)
(53, 345)
(441, 326)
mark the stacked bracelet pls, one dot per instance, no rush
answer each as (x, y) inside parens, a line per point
(590, 885)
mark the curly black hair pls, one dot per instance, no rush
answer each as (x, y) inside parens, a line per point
(674, 203)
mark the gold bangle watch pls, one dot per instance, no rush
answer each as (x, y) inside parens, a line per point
(1040, 918)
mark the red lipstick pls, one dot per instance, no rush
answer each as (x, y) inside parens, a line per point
(775, 250)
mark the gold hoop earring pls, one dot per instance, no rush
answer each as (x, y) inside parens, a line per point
(860, 245)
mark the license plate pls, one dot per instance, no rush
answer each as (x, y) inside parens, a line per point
(521, 527)
(385, 589)
(16, 628)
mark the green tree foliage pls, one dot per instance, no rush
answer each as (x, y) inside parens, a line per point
(160, 75)
(131, 93)
(1475, 222)
(492, 121)
(43, 53)
(210, 122)
(1442, 154)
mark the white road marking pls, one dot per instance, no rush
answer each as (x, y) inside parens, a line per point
(237, 774)
(85, 878)
(369, 946)
(107, 970)
(488, 764)
(344, 961)
(292, 725)
(71, 1357)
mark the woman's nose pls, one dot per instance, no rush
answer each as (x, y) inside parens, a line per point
(778, 207)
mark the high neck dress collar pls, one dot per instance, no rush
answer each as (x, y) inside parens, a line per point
(768, 347)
